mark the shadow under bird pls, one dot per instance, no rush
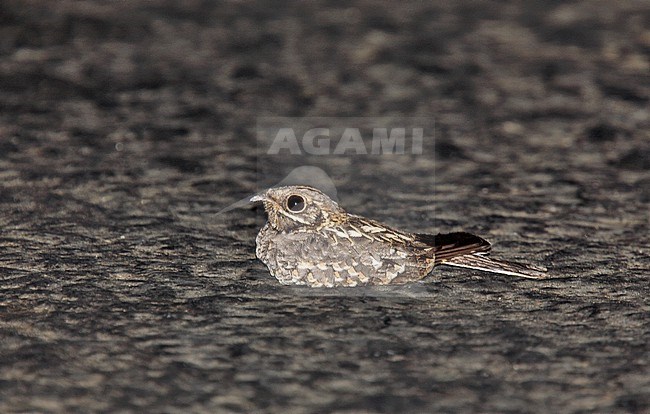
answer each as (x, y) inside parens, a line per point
(310, 240)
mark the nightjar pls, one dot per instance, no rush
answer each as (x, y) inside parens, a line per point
(310, 240)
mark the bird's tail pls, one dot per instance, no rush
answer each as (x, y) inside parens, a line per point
(470, 251)
(480, 261)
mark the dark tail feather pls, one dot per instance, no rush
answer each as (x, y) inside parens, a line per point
(467, 250)
(447, 246)
(481, 262)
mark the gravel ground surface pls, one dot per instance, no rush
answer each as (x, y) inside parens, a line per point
(124, 130)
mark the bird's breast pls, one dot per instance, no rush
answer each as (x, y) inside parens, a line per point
(335, 257)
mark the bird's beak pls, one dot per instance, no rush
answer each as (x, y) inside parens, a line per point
(258, 197)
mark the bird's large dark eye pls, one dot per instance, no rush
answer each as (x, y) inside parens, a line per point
(296, 203)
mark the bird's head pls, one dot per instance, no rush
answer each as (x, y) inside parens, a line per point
(294, 207)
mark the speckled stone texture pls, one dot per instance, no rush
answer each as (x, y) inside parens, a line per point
(125, 129)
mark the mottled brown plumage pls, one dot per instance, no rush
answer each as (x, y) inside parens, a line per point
(310, 240)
